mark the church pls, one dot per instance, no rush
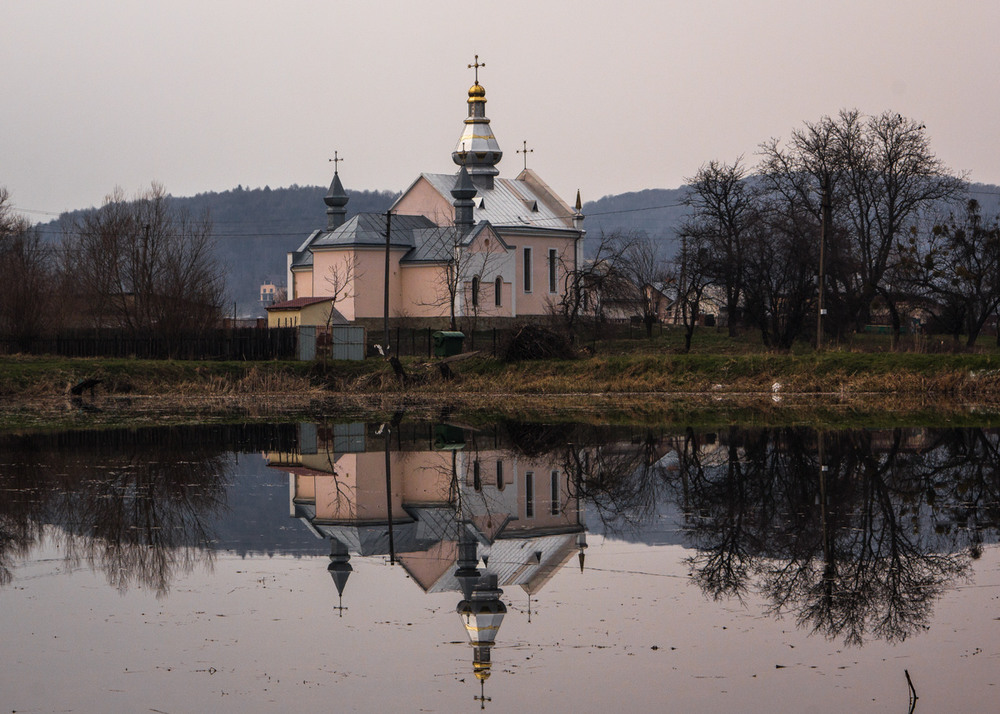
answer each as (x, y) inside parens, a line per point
(462, 247)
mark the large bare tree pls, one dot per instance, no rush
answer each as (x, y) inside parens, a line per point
(141, 264)
(27, 277)
(956, 268)
(644, 266)
(876, 175)
(724, 210)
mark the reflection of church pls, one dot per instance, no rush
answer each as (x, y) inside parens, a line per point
(458, 516)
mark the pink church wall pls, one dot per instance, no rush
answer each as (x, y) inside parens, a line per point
(303, 284)
(423, 293)
(423, 200)
(538, 300)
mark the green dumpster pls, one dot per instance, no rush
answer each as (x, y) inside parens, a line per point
(447, 344)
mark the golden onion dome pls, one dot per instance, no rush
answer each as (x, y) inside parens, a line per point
(477, 93)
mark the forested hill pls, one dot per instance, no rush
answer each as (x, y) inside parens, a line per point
(256, 228)
(656, 211)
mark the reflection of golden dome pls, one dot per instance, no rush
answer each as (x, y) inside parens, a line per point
(477, 93)
(481, 670)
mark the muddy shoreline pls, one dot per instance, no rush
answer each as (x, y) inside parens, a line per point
(705, 409)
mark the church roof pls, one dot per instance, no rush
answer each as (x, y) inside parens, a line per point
(434, 245)
(511, 202)
(368, 229)
(427, 241)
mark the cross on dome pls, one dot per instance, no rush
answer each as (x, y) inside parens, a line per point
(336, 160)
(476, 65)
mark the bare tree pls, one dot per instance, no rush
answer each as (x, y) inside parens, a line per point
(689, 275)
(877, 175)
(141, 264)
(644, 267)
(724, 211)
(779, 286)
(341, 278)
(25, 273)
(957, 270)
(466, 264)
(589, 285)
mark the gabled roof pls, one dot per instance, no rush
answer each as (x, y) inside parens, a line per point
(299, 303)
(511, 202)
(437, 244)
(368, 229)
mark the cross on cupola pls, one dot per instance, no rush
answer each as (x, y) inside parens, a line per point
(476, 65)
(482, 698)
(525, 151)
(336, 160)
(477, 149)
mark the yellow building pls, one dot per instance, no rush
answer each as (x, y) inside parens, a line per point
(318, 311)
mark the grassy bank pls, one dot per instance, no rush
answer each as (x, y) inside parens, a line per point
(850, 388)
(834, 373)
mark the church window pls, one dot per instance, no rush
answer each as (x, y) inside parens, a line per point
(554, 508)
(475, 291)
(527, 270)
(498, 292)
(552, 270)
(477, 478)
(500, 475)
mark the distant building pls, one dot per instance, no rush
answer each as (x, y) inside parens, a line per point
(269, 294)
(470, 244)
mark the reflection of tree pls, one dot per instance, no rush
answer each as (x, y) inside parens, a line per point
(621, 478)
(858, 547)
(138, 509)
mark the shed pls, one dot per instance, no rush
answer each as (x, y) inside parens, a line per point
(314, 311)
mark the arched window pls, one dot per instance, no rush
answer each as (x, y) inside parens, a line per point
(475, 291)
(498, 292)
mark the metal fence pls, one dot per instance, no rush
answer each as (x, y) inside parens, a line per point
(419, 342)
(233, 344)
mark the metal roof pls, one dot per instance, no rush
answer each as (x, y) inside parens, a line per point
(509, 203)
(368, 229)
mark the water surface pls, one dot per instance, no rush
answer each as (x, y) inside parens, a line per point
(254, 569)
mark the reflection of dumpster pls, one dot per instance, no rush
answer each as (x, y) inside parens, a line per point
(448, 438)
(447, 344)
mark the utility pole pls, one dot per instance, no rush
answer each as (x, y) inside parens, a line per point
(823, 221)
(385, 314)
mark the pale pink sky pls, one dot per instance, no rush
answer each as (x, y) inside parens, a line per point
(612, 97)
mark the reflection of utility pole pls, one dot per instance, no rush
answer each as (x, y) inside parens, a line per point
(827, 554)
(388, 486)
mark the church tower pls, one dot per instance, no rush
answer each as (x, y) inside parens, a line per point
(335, 199)
(477, 149)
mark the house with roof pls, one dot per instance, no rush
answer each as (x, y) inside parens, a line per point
(471, 244)
(304, 311)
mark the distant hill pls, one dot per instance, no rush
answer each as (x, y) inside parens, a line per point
(658, 212)
(256, 228)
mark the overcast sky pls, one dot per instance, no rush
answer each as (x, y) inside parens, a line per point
(612, 96)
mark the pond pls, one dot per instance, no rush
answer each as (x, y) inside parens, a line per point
(417, 566)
